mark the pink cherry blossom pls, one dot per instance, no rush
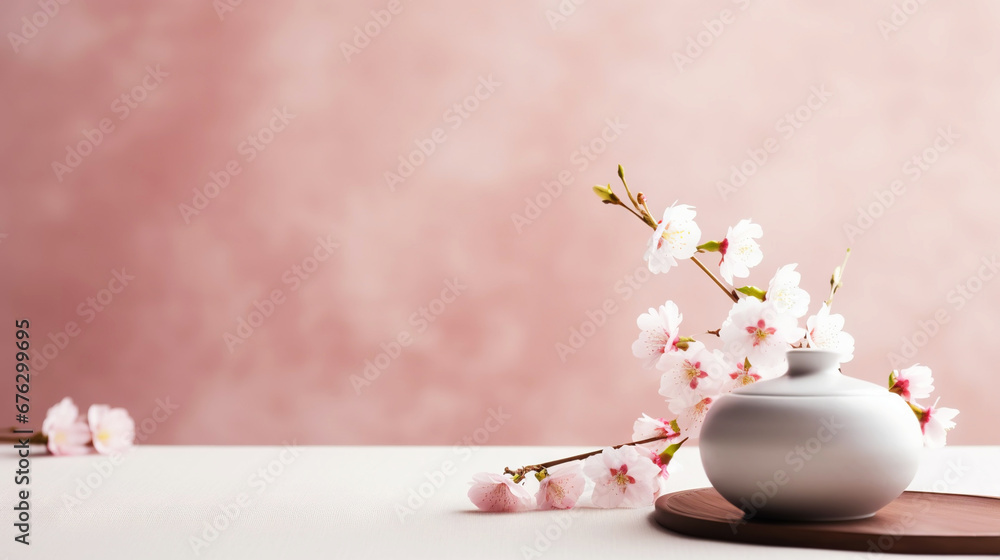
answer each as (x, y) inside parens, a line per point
(913, 383)
(562, 487)
(112, 429)
(785, 293)
(757, 330)
(935, 423)
(740, 251)
(66, 432)
(657, 459)
(696, 369)
(623, 477)
(660, 331)
(826, 332)
(676, 238)
(690, 409)
(742, 377)
(646, 427)
(498, 493)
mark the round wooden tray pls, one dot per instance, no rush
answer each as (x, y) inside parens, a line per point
(915, 523)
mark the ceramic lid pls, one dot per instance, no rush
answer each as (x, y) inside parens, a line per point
(812, 373)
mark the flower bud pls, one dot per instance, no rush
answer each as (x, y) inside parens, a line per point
(753, 291)
(606, 194)
(710, 246)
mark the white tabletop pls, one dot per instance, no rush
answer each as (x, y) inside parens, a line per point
(351, 502)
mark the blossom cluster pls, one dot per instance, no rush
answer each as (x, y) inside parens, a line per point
(626, 476)
(107, 430)
(752, 343)
(760, 327)
(913, 384)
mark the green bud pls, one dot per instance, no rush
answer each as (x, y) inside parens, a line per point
(753, 291)
(540, 475)
(671, 449)
(621, 172)
(606, 194)
(710, 246)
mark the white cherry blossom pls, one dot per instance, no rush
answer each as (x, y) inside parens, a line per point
(690, 408)
(740, 251)
(695, 369)
(758, 331)
(913, 383)
(676, 238)
(825, 331)
(785, 292)
(660, 331)
(741, 377)
(647, 427)
(935, 423)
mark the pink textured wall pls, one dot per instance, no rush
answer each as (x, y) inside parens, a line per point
(511, 96)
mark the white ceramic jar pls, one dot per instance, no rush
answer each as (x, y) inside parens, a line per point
(812, 445)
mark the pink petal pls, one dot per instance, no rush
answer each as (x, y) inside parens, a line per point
(496, 493)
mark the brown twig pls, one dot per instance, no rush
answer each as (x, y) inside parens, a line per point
(519, 473)
(12, 437)
(731, 293)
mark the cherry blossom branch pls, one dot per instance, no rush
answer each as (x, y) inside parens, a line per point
(731, 293)
(13, 437)
(642, 212)
(518, 474)
(621, 175)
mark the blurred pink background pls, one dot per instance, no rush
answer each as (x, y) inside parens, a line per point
(311, 104)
